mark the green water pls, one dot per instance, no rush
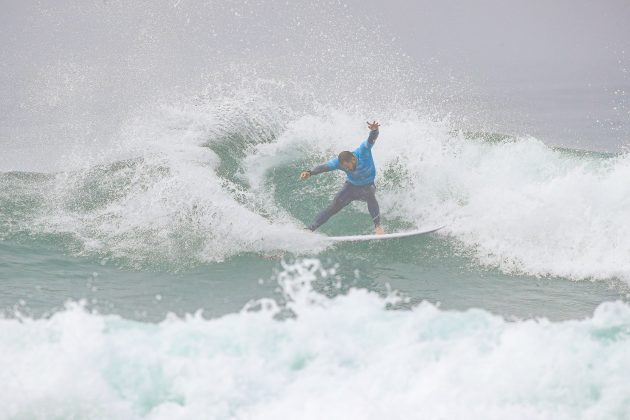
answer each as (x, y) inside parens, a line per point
(38, 280)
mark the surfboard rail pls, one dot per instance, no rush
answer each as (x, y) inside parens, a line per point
(396, 235)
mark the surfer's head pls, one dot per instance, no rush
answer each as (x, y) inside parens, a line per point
(347, 160)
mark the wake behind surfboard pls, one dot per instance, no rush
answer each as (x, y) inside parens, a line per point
(359, 238)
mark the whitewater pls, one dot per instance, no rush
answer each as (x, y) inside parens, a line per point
(313, 357)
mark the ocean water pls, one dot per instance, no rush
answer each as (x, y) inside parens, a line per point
(180, 281)
(154, 262)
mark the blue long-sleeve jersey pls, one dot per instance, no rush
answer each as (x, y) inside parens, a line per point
(365, 171)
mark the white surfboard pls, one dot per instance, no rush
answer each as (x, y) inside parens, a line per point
(358, 238)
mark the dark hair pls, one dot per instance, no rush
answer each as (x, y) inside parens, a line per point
(345, 156)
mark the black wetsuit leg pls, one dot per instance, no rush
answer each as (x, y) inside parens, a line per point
(370, 197)
(341, 200)
(345, 196)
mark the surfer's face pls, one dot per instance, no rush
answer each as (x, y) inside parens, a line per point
(349, 165)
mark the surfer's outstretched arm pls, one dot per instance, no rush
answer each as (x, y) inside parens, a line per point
(316, 170)
(320, 169)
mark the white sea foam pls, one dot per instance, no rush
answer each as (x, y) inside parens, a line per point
(343, 358)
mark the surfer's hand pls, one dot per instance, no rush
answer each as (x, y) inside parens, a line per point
(305, 175)
(373, 125)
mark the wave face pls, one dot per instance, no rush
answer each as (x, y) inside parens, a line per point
(322, 358)
(212, 178)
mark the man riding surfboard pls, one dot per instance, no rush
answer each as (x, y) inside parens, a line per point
(360, 172)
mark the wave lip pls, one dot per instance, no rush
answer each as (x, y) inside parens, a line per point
(327, 358)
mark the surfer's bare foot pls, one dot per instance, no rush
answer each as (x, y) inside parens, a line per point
(379, 230)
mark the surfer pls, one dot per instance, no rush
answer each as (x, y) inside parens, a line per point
(360, 171)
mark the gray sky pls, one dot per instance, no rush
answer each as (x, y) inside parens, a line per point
(507, 41)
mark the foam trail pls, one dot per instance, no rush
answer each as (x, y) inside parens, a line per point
(333, 358)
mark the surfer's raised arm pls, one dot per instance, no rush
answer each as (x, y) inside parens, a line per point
(373, 126)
